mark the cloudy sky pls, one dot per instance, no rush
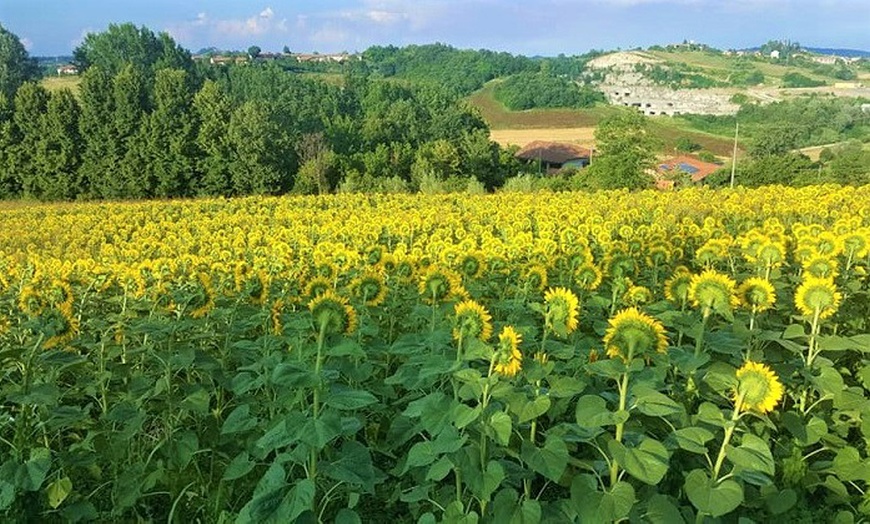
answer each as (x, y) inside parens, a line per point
(532, 27)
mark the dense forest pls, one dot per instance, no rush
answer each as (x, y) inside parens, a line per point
(149, 122)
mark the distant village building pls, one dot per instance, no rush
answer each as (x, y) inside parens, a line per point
(553, 156)
(67, 69)
(825, 59)
(307, 57)
(669, 169)
(774, 54)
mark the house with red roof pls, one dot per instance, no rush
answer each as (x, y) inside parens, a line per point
(668, 170)
(553, 156)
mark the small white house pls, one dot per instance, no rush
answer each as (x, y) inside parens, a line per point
(774, 54)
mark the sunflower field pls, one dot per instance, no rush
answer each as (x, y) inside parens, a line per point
(692, 356)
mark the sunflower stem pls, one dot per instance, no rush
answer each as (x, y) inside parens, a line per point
(729, 431)
(699, 342)
(620, 427)
(315, 409)
(812, 350)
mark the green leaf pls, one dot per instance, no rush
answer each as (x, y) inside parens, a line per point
(347, 516)
(779, 502)
(318, 433)
(197, 402)
(752, 455)
(550, 461)
(181, 447)
(349, 399)
(848, 465)
(807, 433)
(648, 462)
(58, 491)
(607, 368)
(794, 331)
(714, 499)
(439, 470)
(529, 512)
(240, 419)
(239, 467)
(273, 503)
(565, 387)
(597, 506)
(37, 468)
(7, 494)
(591, 412)
(500, 422)
(527, 410)
(464, 415)
(709, 413)
(483, 486)
(654, 404)
(692, 439)
(353, 465)
(721, 377)
(661, 510)
(347, 348)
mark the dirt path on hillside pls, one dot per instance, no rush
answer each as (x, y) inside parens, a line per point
(521, 137)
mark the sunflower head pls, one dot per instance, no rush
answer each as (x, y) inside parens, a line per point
(256, 288)
(677, 287)
(316, 287)
(588, 276)
(637, 295)
(820, 266)
(63, 327)
(30, 301)
(472, 321)
(632, 334)
(439, 284)
(472, 265)
(713, 292)
(203, 297)
(756, 294)
(333, 313)
(536, 277)
(562, 309)
(817, 296)
(508, 357)
(758, 388)
(371, 288)
(771, 254)
(275, 313)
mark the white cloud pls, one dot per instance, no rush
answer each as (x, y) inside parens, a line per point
(27, 43)
(267, 13)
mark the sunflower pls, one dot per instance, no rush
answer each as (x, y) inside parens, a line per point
(637, 295)
(203, 299)
(472, 321)
(756, 294)
(256, 289)
(588, 276)
(820, 266)
(64, 325)
(817, 296)
(771, 254)
(30, 302)
(632, 333)
(333, 313)
(536, 277)
(5, 325)
(439, 284)
(758, 387)
(856, 244)
(275, 313)
(316, 287)
(371, 288)
(712, 291)
(508, 359)
(562, 307)
(472, 265)
(677, 287)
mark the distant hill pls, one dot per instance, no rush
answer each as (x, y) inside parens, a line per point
(848, 53)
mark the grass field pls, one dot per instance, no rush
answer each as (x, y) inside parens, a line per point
(718, 65)
(577, 125)
(56, 83)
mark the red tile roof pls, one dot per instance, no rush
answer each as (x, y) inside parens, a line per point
(698, 169)
(552, 152)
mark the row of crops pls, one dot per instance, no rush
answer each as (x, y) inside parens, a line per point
(645, 357)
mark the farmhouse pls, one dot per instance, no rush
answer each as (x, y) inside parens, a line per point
(68, 69)
(553, 156)
(669, 169)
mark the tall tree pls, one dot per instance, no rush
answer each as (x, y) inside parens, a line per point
(97, 129)
(255, 154)
(31, 101)
(126, 44)
(626, 152)
(213, 110)
(59, 148)
(171, 132)
(10, 182)
(16, 66)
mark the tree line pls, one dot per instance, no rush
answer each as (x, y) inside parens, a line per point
(148, 122)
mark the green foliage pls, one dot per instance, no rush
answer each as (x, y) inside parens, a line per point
(625, 152)
(125, 44)
(538, 90)
(16, 66)
(794, 79)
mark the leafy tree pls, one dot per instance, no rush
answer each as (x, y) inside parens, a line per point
(626, 152)
(171, 132)
(59, 149)
(254, 51)
(255, 154)
(31, 102)
(317, 165)
(10, 182)
(16, 66)
(96, 129)
(776, 140)
(480, 159)
(213, 110)
(851, 164)
(126, 44)
(540, 90)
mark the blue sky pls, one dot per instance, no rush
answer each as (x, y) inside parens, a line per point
(532, 27)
